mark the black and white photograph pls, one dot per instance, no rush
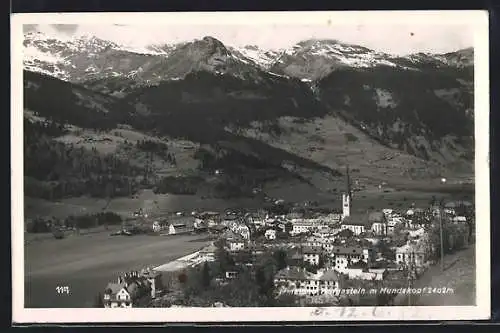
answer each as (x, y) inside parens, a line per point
(199, 167)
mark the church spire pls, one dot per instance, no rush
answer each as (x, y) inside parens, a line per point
(348, 182)
(346, 197)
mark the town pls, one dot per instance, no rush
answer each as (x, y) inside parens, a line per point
(298, 255)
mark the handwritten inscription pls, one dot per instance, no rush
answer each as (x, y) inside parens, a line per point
(344, 312)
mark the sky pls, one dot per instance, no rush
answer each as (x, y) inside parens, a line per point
(399, 39)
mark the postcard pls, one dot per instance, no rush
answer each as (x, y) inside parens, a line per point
(250, 166)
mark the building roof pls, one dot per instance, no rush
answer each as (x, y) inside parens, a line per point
(455, 204)
(230, 217)
(347, 250)
(330, 275)
(357, 219)
(376, 217)
(311, 250)
(133, 289)
(410, 248)
(113, 288)
(294, 273)
(358, 265)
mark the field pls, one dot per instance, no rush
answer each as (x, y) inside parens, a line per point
(147, 200)
(291, 191)
(87, 263)
(332, 142)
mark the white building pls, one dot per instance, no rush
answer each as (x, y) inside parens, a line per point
(156, 226)
(346, 205)
(270, 234)
(378, 223)
(356, 273)
(297, 281)
(303, 226)
(235, 245)
(412, 253)
(347, 255)
(311, 255)
(356, 227)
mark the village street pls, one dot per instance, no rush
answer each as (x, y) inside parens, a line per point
(459, 275)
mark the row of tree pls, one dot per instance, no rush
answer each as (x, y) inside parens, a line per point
(44, 225)
(158, 148)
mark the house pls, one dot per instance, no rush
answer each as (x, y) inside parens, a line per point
(132, 289)
(156, 226)
(459, 219)
(242, 230)
(209, 218)
(325, 242)
(270, 234)
(302, 226)
(178, 228)
(235, 243)
(345, 255)
(333, 218)
(378, 223)
(298, 281)
(387, 211)
(393, 222)
(229, 219)
(116, 295)
(361, 271)
(312, 255)
(208, 252)
(314, 241)
(412, 253)
(329, 283)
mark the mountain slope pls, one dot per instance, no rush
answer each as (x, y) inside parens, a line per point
(69, 103)
(247, 102)
(82, 58)
(425, 113)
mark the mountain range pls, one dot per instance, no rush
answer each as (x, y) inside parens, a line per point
(308, 110)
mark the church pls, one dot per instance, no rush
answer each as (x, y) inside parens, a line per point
(347, 196)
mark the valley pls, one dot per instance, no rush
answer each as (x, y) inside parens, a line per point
(156, 136)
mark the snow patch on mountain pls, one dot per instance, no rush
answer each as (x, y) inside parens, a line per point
(260, 57)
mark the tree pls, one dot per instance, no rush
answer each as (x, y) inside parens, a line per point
(205, 277)
(280, 256)
(322, 260)
(98, 303)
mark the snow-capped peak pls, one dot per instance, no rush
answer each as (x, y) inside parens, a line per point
(262, 58)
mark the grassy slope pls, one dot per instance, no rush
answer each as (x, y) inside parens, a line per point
(459, 275)
(334, 143)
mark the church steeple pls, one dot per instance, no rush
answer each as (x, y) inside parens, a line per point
(348, 181)
(346, 197)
